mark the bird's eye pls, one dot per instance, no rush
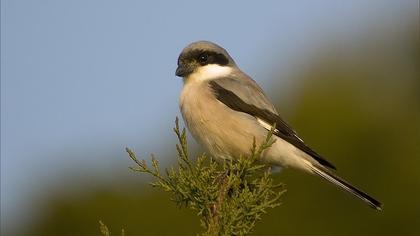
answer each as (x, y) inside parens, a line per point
(203, 58)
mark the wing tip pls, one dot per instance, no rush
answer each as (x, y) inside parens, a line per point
(326, 164)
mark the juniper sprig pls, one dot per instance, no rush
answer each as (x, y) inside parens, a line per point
(228, 196)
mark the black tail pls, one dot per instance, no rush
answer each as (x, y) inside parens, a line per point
(332, 178)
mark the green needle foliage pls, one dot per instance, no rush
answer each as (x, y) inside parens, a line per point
(229, 197)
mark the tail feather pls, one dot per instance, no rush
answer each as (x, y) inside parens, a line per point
(332, 178)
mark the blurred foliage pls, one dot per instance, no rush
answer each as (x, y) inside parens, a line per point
(359, 107)
(105, 231)
(229, 196)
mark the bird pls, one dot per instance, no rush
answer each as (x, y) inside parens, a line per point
(226, 111)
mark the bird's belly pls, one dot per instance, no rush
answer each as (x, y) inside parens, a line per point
(220, 137)
(223, 132)
(229, 134)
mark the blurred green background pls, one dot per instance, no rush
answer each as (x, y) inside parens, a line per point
(355, 100)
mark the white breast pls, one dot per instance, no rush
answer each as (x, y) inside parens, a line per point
(215, 126)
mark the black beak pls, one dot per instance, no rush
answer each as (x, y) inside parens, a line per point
(183, 71)
(180, 71)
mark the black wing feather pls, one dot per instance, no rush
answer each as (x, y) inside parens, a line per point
(283, 131)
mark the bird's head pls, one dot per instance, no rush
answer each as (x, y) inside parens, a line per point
(204, 60)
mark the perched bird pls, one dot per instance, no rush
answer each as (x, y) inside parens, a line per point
(225, 110)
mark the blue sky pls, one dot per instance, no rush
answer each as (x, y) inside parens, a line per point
(81, 80)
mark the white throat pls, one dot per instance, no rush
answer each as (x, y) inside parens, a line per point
(209, 72)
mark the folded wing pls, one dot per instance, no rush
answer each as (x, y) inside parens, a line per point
(244, 95)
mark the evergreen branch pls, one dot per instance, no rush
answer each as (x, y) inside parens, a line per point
(229, 196)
